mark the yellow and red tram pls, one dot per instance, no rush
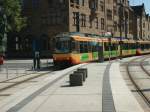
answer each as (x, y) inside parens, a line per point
(75, 48)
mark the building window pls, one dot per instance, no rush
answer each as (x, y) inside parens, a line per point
(35, 3)
(108, 1)
(102, 6)
(23, 3)
(115, 10)
(143, 33)
(115, 25)
(54, 19)
(93, 4)
(115, 1)
(102, 24)
(123, 27)
(50, 3)
(62, 1)
(75, 1)
(90, 21)
(109, 14)
(72, 1)
(96, 22)
(143, 25)
(82, 2)
(83, 20)
(44, 20)
(75, 15)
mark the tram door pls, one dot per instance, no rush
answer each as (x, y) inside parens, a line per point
(100, 52)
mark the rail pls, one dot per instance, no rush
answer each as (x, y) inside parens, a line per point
(147, 101)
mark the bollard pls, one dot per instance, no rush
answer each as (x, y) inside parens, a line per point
(16, 71)
(25, 70)
(7, 72)
(84, 70)
(83, 74)
(47, 63)
(76, 79)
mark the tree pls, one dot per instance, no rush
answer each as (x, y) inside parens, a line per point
(12, 10)
(10, 19)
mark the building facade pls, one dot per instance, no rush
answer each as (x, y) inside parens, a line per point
(141, 23)
(46, 18)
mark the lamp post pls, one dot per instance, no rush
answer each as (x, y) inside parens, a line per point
(121, 16)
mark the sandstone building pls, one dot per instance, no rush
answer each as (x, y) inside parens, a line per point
(46, 18)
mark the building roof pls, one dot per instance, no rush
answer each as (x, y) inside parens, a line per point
(138, 9)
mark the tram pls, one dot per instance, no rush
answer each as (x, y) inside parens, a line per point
(143, 47)
(73, 48)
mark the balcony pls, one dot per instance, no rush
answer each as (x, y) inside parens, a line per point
(94, 12)
(74, 5)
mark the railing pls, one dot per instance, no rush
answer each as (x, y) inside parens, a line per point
(8, 72)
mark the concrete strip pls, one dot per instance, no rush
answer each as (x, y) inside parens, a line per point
(123, 98)
(64, 98)
(20, 99)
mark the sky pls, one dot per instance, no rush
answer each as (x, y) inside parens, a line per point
(139, 2)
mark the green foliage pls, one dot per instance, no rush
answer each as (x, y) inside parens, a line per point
(12, 9)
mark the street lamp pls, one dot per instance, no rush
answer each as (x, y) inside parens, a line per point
(121, 15)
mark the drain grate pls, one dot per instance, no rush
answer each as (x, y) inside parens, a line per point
(107, 98)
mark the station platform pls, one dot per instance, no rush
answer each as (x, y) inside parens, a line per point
(103, 91)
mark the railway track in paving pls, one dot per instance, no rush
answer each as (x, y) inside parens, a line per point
(33, 79)
(21, 79)
(140, 77)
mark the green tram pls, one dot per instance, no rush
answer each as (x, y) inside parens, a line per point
(75, 48)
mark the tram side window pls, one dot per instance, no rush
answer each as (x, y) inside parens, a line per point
(133, 46)
(147, 46)
(113, 47)
(89, 47)
(86, 47)
(142, 46)
(106, 46)
(94, 48)
(58, 45)
(125, 46)
(138, 45)
(74, 47)
(83, 47)
(122, 46)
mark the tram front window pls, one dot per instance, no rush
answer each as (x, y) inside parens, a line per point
(62, 46)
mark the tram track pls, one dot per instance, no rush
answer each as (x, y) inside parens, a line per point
(143, 68)
(20, 81)
(10, 85)
(136, 85)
